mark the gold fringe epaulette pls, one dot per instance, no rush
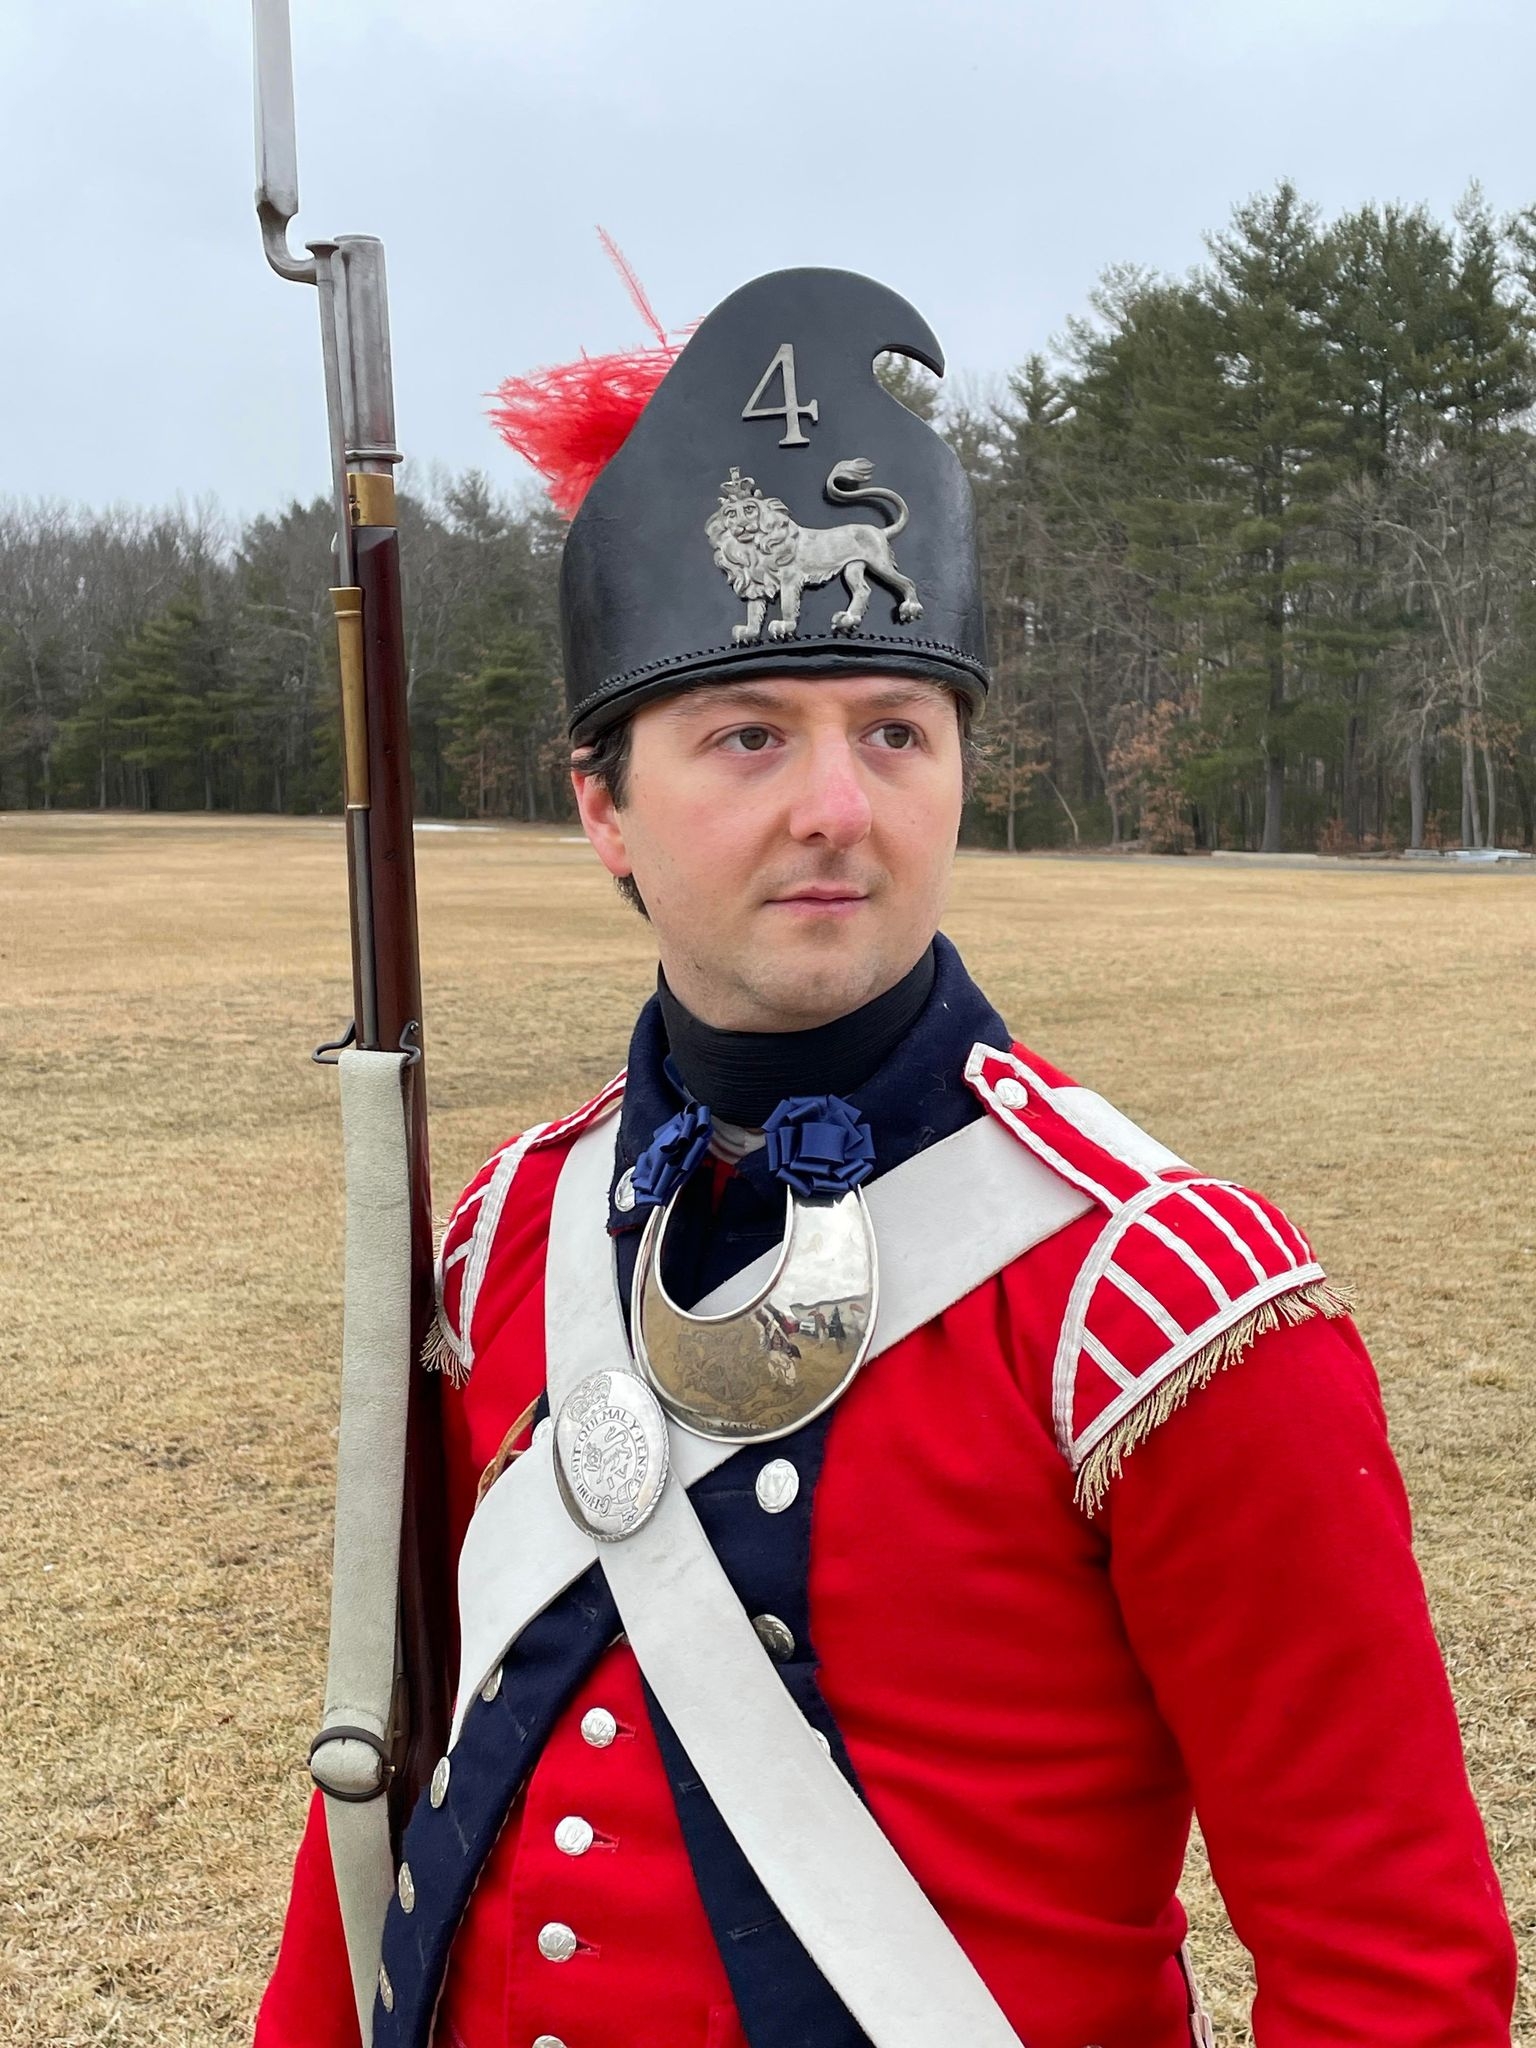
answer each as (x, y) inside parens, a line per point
(1103, 1463)
(439, 1353)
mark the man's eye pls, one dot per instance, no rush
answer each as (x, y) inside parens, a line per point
(750, 738)
(896, 735)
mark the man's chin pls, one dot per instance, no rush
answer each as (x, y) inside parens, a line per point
(816, 980)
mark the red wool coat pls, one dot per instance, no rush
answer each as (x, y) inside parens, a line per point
(1039, 1676)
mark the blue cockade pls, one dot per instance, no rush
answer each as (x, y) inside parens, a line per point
(819, 1145)
(671, 1155)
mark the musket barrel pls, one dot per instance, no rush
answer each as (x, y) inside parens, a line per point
(330, 278)
(371, 415)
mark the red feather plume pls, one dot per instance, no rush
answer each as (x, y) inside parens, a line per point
(569, 421)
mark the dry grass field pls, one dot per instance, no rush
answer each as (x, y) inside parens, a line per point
(1359, 1042)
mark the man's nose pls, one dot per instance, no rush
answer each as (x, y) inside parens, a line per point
(830, 803)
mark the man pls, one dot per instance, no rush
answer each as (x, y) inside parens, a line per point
(1039, 1577)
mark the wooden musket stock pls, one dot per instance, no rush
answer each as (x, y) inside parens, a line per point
(425, 1578)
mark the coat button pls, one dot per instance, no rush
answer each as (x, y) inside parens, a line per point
(386, 1990)
(774, 1637)
(549, 2041)
(624, 1193)
(777, 1485)
(439, 1790)
(405, 1886)
(573, 1835)
(557, 1942)
(492, 1686)
(1012, 1094)
(598, 1727)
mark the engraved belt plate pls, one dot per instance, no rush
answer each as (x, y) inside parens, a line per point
(767, 1367)
(611, 1454)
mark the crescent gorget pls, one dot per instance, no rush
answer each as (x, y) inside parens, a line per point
(772, 1364)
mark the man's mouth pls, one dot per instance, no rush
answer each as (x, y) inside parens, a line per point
(826, 898)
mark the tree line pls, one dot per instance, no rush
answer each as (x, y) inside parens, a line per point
(1257, 545)
(161, 661)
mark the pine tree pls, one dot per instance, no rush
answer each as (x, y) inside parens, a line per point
(164, 703)
(1274, 437)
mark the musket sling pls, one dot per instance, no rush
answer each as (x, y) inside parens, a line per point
(350, 1768)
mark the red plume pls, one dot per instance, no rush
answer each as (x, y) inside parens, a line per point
(634, 287)
(571, 420)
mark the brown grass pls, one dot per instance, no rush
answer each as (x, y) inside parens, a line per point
(1356, 1041)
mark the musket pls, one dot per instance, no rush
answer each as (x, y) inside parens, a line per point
(348, 276)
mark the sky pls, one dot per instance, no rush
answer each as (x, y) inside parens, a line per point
(988, 158)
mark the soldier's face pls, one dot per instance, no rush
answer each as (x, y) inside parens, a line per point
(792, 839)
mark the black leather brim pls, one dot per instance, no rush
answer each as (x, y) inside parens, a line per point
(867, 655)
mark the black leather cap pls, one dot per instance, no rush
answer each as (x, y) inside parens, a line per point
(768, 476)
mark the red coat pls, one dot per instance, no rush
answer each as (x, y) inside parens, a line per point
(1035, 1694)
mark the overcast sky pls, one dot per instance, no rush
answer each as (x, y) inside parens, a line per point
(987, 157)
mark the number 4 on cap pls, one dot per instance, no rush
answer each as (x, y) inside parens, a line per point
(791, 411)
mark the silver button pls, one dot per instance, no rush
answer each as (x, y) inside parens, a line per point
(1012, 1094)
(492, 1686)
(774, 1636)
(825, 1744)
(624, 1193)
(777, 1485)
(598, 1727)
(386, 1990)
(557, 1942)
(573, 1835)
(549, 2041)
(440, 1776)
(542, 1431)
(405, 1885)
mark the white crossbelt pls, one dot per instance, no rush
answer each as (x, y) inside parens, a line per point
(820, 1855)
(522, 1549)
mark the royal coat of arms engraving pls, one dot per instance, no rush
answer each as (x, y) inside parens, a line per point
(767, 554)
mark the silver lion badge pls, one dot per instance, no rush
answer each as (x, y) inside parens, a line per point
(611, 1454)
(766, 554)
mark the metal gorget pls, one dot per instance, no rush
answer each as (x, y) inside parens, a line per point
(765, 1368)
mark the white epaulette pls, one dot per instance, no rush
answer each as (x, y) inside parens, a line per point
(1186, 1273)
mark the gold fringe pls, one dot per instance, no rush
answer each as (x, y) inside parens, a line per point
(1104, 1461)
(439, 1348)
(439, 1353)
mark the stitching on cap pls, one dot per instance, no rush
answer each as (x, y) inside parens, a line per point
(605, 689)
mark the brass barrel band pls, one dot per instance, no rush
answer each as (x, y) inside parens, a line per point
(370, 498)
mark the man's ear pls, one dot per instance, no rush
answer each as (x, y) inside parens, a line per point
(601, 822)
